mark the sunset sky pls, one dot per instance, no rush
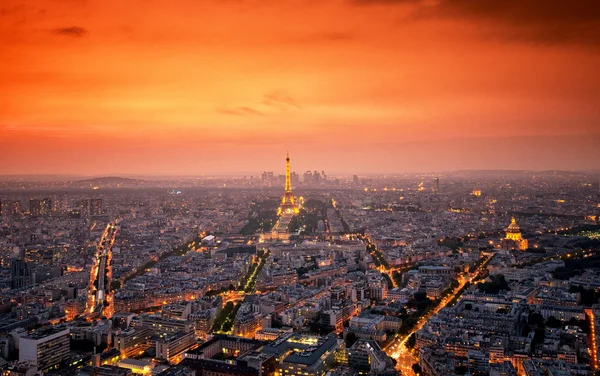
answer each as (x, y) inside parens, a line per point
(349, 86)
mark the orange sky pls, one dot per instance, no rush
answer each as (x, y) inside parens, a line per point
(349, 86)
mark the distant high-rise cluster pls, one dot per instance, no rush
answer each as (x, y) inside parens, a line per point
(267, 176)
(39, 207)
(308, 178)
(314, 177)
(91, 207)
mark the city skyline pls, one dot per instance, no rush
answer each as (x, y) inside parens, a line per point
(365, 86)
(377, 274)
(299, 187)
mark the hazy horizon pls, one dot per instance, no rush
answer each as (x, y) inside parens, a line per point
(528, 153)
(256, 174)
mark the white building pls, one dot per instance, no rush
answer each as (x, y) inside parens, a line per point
(46, 348)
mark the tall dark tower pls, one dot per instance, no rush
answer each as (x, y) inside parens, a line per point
(35, 207)
(288, 204)
(20, 274)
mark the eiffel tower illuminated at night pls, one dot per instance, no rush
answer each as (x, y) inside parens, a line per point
(288, 203)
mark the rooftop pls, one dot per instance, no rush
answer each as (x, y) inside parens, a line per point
(46, 332)
(304, 349)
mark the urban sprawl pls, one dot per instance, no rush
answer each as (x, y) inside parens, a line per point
(464, 273)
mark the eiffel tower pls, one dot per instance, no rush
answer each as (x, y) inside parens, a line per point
(288, 204)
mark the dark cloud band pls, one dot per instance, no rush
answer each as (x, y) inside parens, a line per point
(71, 31)
(535, 21)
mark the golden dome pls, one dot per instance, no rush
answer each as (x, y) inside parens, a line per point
(513, 227)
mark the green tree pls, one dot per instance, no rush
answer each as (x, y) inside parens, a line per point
(536, 319)
(497, 284)
(553, 322)
(416, 368)
(351, 339)
(538, 337)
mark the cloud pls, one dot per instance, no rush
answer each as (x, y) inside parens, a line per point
(383, 2)
(71, 31)
(274, 102)
(326, 37)
(278, 98)
(240, 111)
(335, 37)
(533, 21)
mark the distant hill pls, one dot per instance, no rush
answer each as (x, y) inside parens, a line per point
(520, 172)
(107, 182)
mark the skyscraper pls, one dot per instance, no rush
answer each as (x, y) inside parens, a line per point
(316, 176)
(46, 206)
(20, 274)
(308, 177)
(96, 206)
(85, 208)
(35, 207)
(16, 208)
(295, 177)
(436, 184)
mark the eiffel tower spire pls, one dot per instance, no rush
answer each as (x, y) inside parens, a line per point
(288, 180)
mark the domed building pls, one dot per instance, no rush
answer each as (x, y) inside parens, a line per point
(514, 239)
